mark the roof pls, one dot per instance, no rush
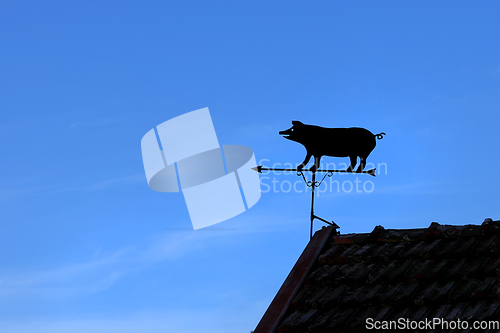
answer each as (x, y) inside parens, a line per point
(443, 271)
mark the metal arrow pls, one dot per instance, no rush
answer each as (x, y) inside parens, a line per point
(260, 168)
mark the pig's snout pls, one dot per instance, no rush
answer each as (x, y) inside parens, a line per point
(286, 132)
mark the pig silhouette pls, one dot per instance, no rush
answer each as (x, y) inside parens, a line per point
(337, 142)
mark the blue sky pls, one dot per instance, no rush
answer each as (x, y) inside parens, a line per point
(86, 246)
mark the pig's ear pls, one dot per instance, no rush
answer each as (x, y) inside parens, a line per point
(296, 122)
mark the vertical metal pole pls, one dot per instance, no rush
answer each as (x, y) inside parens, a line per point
(312, 203)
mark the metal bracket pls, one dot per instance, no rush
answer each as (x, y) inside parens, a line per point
(313, 184)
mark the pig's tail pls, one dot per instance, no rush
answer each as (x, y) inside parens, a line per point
(380, 135)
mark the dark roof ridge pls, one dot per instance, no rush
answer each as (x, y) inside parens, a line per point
(434, 231)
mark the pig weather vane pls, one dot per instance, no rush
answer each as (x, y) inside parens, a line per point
(352, 142)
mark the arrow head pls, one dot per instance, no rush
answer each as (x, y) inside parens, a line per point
(258, 168)
(371, 172)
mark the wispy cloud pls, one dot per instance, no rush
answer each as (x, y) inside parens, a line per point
(9, 194)
(73, 278)
(181, 321)
(121, 180)
(413, 188)
(100, 272)
(16, 193)
(432, 132)
(96, 122)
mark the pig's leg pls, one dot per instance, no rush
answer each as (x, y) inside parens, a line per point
(316, 163)
(354, 160)
(306, 160)
(362, 163)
